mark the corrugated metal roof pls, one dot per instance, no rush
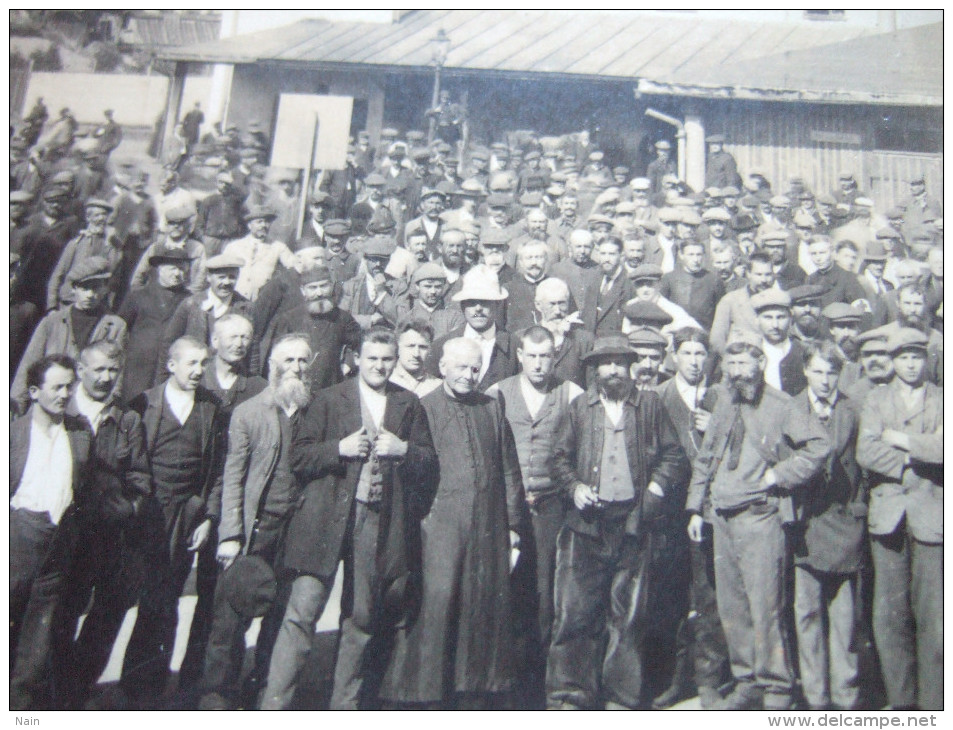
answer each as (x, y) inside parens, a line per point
(525, 42)
(902, 67)
(171, 29)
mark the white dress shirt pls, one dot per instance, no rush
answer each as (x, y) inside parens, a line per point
(376, 402)
(691, 395)
(180, 402)
(91, 409)
(47, 481)
(773, 355)
(487, 340)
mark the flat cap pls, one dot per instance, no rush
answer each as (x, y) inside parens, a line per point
(470, 188)
(669, 178)
(531, 199)
(315, 272)
(500, 147)
(415, 135)
(429, 270)
(98, 203)
(495, 237)
(382, 223)
(389, 132)
(776, 234)
(559, 177)
(846, 176)
(93, 268)
(805, 195)
(730, 192)
(663, 144)
(646, 271)
(864, 202)
(745, 336)
(918, 177)
(337, 227)
(780, 201)
(420, 154)
(179, 213)
(374, 180)
(596, 218)
(320, 198)
(841, 312)
(874, 340)
(805, 293)
(646, 337)
(826, 199)
(596, 155)
(378, 246)
(770, 298)
(669, 215)
(716, 214)
(689, 217)
(260, 211)
(875, 251)
(620, 170)
(646, 313)
(480, 153)
(609, 346)
(249, 586)
(640, 183)
(498, 200)
(532, 155)
(225, 176)
(427, 192)
(54, 193)
(223, 261)
(906, 338)
(626, 207)
(715, 139)
(744, 222)
(168, 255)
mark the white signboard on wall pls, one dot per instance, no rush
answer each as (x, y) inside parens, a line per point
(294, 133)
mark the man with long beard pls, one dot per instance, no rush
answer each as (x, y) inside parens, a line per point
(843, 322)
(621, 489)
(747, 479)
(329, 328)
(258, 497)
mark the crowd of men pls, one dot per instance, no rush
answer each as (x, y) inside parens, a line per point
(582, 437)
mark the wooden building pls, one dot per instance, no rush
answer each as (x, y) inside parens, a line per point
(792, 99)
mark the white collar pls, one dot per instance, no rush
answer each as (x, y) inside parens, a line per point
(489, 335)
(691, 394)
(88, 407)
(814, 399)
(778, 352)
(180, 402)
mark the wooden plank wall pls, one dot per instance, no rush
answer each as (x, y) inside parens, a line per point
(782, 141)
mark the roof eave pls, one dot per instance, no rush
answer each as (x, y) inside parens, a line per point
(702, 91)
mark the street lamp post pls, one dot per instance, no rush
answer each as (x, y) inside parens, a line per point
(441, 46)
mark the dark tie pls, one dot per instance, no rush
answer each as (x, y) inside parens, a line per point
(736, 437)
(824, 411)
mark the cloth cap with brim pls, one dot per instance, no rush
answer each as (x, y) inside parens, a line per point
(669, 179)
(374, 180)
(555, 191)
(317, 272)
(260, 211)
(429, 270)
(396, 186)
(620, 170)
(646, 313)
(559, 177)
(378, 246)
(498, 200)
(499, 147)
(640, 183)
(864, 202)
(841, 312)
(319, 198)
(532, 155)
(826, 199)
(907, 338)
(646, 272)
(770, 299)
(875, 251)
(531, 199)
(480, 154)
(94, 268)
(730, 192)
(337, 227)
(716, 214)
(805, 195)
(249, 586)
(98, 203)
(805, 293)
(689, 217)
(430, 193)
(597, 218)
(775, 234)
(715, 139)
(846, 176)
(609, 346)
(596, 156)
(669, 215)
(420, 154)
(495, 237)
(382, 223)
(470, 188)
(179, 213)
(663, 144)
(223, 262)
(874, 340)
(478, 286)
(54, 194)
(165, 255)
(389, 132)
(780, 201)
(626, 207)
(415, 135)
(647, 337)
(743, 222)
(744, 336)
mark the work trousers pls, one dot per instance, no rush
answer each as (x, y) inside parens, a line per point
(532, 583)
(750, 554)
(107, 572)
(40, 554)
(309, 595)
(145, 667)
(712, 666)
(600, 586)
(908, 618)
(824, 618)
(226, 642)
